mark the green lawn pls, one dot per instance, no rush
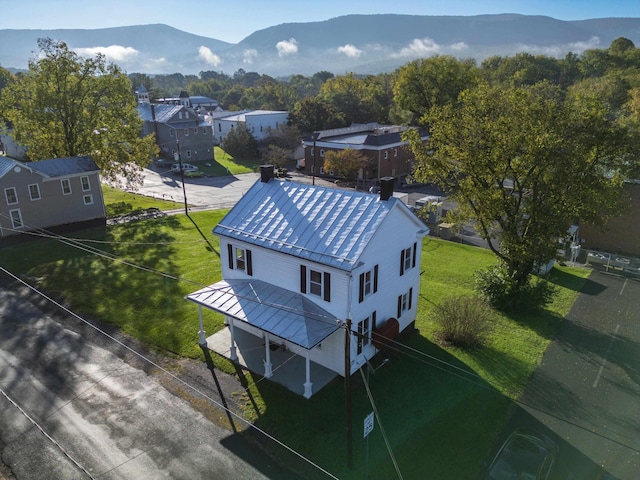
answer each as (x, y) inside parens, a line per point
(119, 202)
(440, 421)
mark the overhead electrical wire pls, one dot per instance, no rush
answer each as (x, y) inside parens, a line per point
(437, 363)
(173, 376)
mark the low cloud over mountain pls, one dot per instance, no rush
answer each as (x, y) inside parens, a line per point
(354, 43)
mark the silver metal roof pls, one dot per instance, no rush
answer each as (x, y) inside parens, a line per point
(321, 224)
(277, 311)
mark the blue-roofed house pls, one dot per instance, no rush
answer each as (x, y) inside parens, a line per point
(49, 193)
(299, 260)
(386, 152)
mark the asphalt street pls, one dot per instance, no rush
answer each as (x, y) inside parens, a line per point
(72, 409)
(585, 395)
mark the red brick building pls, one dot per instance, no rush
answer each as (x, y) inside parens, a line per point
(387, 153)
(622, 233)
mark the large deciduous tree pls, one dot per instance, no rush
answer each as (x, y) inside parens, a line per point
(429, 82)
(523, 164)
(67, 106)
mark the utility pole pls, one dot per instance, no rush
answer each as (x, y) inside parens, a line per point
(184, 190)
(347, 391)
(313, 168)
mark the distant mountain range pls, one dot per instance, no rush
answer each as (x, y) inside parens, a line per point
(353, 43)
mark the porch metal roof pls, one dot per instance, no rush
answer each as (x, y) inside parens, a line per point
(277, 311)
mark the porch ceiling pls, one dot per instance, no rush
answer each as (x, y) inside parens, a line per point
(277, 311)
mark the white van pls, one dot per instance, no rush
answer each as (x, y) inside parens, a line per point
(175, 168)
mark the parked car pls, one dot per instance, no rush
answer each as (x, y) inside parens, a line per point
(524, 455)
(162, 162)
(193, 173)
(175, 168)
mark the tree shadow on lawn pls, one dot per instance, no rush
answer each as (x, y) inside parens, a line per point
(573, 282)
(429, 403)
(142, 302)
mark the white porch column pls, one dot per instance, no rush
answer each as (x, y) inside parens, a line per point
(267, 364)
(308, 384)
(234, 354)
(202, 336)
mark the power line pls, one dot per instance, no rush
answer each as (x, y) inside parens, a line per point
(439, 363)
(174, 377)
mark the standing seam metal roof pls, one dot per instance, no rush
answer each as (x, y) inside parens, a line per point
(320, 224)
(278, 311)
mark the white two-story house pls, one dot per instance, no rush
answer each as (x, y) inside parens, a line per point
(301, 262)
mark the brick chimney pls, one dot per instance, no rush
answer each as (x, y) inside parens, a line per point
(386, 187)
(266, 173)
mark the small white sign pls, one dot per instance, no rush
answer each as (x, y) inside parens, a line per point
(368, 424)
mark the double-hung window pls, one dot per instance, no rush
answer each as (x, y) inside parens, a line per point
(16, 218)
(34, 191)
(240, 259)
(364, 332)
(315, 282)
(11, 195)
(408, 258)
(86, 185)
(66, 186)
(404, 302)
(368, 284)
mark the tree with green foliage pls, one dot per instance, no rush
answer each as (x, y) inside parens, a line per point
(430, 82)
(356, 99)
(523, 164)
(66, 106)
(239, 143)
(345, 163)
(312, 114)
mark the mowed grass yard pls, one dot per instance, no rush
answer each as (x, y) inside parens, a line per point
(440, 408)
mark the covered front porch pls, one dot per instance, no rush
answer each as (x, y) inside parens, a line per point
(287, 368)
(270, 330)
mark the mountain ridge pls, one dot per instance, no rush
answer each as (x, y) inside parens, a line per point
(356, 43)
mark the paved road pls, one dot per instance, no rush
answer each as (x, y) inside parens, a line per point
(586, 392)
(114, 420)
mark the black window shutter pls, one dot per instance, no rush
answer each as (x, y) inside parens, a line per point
(375, 279)
(361, 294)
(402, 262)
(373, 320)
(410, 297)
(230, 250)
(399, 305)
(303, 279)
(415, 246)
(249, 264)
(327, 287)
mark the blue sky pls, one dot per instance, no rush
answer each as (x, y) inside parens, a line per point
(233, 20)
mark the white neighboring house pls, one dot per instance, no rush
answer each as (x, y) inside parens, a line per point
(299, 260)
(258, 122)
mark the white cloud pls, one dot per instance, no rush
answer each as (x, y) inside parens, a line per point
(560, 50)
(249, 55)
(287, 47)
(350, 51)
(114, 53)
(457, 47)
(210, 58)
(420, 48)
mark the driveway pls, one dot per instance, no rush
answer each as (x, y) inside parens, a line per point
(586, 392)
(75, 404)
